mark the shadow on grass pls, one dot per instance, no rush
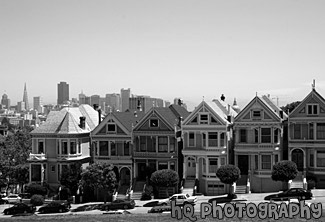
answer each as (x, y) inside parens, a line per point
(225, 200)
(151, 204)
(88, 207)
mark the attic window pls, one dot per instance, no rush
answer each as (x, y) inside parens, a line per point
(204, 119)
(154, 123)
(111, 128)
(257, 114)
(312, 109)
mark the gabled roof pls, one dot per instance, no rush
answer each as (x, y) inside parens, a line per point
(303, 102)
(169, 114)
(266, 103)
(66, 121)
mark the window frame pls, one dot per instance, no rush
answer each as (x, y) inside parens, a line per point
(312, 109)
(152, 124)
(266, 136)
(190, 139)
(269, 163)
(111, 131)
(206, 120)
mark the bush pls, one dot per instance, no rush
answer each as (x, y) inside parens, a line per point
(228, 174)
(164, 178)
(284, 170)
(146, 195)
(37, 200)
(35, 188)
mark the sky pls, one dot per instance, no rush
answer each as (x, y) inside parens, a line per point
(190, 49)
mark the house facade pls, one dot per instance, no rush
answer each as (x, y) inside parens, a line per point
(206, 140)
(62, 141)
(154, 141)
(258, 145)
(112, 143)
(307, 137)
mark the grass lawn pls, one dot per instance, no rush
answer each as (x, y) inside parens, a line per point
(165, 217)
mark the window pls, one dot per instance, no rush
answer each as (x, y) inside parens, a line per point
(256, 135)
(204, 166)
(154, 123)
(213, 165)
(162, 144)
(172, 144)
(64, 147)
(53, 168)
(256, 162)
(222, 139)
(151, 144)
(297, 131)
(111, 128)
(276, 135)
(320, 131)
(311, 160)
(191, 139)
(126, 148)
(73, 147)
(266, 135)
(113, 149)
(119, 148)
(162, 165)
(103, 148)
(204, 119)
(143, 143)
(242, 136)
(311, 131)
(257, 114)
(204, 139)
(172, 165)
(40, 147)
(312, 109)
(213, 139)
(320, 158)
(266, 162)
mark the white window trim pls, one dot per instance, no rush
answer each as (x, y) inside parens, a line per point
(44, 147)
(312, 104)
(154, 126)
(188, 139)
(206, 122)
(255, 117)
(109, 132)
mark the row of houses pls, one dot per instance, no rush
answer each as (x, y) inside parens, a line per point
(193, 144)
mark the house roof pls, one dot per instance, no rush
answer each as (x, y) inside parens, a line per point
(128, 119)
(66, 121)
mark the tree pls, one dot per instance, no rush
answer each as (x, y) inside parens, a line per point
(284, 171)
(228, 174)
(99, 176)
(290, 107)
(164, 178)
(70, 178)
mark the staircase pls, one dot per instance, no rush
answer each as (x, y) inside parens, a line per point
(241, 189)
(188, 186)
(137, 190)
(298, 181)
(122, 192)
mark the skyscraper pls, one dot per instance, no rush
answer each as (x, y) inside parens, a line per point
(125, 95)
(63, 92)
(5, 101)
(37, 103)
(25, 98)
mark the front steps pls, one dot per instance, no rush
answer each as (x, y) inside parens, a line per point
(241, 189)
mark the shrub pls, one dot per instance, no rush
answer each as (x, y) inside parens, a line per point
(37, 200)
(146, 195)
(164, 178)
(35, 188)
(228, 174)
(284, 170)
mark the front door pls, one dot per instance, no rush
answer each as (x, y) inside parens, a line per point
(191, 166)
(142, 171)
(243, 164)
(297, 156)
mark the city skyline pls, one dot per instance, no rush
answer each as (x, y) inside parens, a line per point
(164, 49)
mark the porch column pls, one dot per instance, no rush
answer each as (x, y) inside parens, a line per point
(206, 165)
(315, 158)
(134, 170)
(30, 172)
(168, 143)
(196, 168)
(218, 136)
(157, 141)
(131, 176)
(184, 167)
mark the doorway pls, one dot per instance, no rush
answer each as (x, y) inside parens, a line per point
(297, 156)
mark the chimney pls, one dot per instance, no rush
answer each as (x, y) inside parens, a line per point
(82, 124)
(99, 116)
(95, 106)
(222, 97)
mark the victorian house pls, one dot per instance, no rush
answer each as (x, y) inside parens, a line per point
(307, 138)
(112, 143)
(62, 141)
(207, 138)
(259, 144)
(154, 141)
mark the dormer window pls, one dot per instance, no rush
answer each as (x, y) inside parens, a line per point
(154, 123)
(256, 114)
(111, 128)
(204, 119)
(312, 109)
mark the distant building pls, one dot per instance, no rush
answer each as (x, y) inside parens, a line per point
(21, 106)
(113, 101)
(5, 101)
(125, 95)
(94, 99)
(37, 103)
(63, 93)
(25, 98)
(145, 103)
(82, 98)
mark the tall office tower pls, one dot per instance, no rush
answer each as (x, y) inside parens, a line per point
(113, 101)
(5, 101)
(25, 98)
(63, 92)
(38, 103)
(82, 98)
(94, 99)
(125, 96)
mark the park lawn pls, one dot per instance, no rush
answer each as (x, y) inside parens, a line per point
(165, 217)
